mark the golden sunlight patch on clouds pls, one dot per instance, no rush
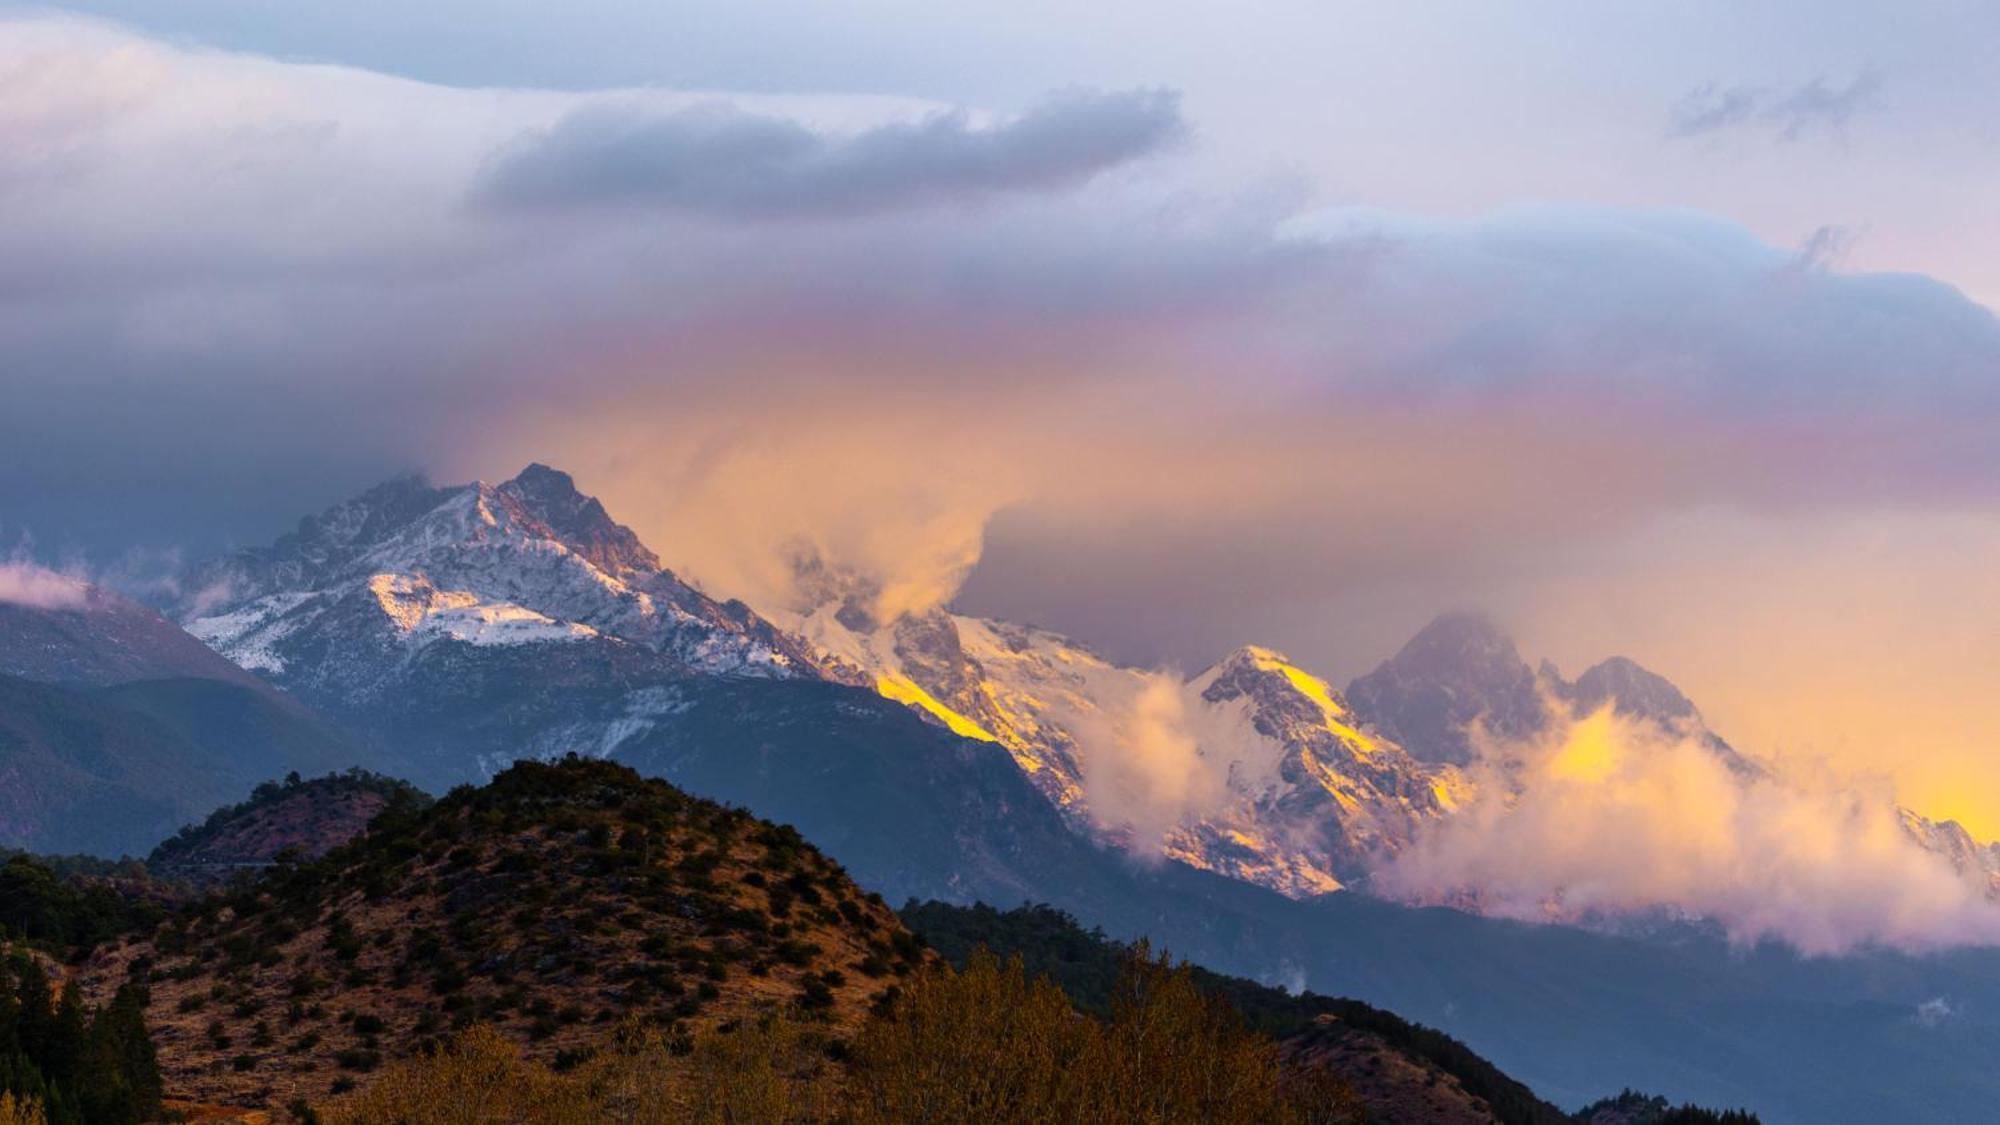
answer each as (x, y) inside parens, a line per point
(1865, 645)
(1590, 749)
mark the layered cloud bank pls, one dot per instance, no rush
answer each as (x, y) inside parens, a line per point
(1606, 816)
(1040, 345)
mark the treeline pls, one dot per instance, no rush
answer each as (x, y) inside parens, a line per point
(65, 914)
(985, 1043)
(1630, 1107)
(63, 1065)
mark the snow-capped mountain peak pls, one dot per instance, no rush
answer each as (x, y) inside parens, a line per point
(361, 592)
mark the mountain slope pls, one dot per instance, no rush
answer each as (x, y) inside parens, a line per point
(914, 811)
(111, 771)
(117, 726)
(95, 637)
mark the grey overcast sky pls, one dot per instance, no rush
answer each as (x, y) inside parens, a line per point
(1448, 107)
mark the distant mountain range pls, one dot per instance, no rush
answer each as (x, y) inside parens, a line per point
(457, 629)
(439, 634)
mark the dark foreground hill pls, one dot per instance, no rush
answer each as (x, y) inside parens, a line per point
(553, 905)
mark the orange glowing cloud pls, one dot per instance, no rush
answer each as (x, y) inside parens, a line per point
(1606, 815)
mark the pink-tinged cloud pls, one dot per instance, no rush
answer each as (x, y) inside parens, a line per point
(27, 584)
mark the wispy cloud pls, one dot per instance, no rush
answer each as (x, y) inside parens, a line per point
(1820, 105)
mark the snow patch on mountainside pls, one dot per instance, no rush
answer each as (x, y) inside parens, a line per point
(500, 624)
(249, 634)
(424, 613)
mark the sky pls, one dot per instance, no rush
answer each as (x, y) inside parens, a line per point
(1665, 332)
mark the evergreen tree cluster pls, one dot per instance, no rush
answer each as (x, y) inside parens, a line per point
(79, 1067)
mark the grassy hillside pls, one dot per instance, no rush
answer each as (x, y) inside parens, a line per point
(573, 942)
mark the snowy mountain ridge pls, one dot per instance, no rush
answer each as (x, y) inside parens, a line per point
(365, 588)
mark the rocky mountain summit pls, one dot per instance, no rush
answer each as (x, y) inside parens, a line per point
(1461, 685)
(1459, 674)
(406, 567)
